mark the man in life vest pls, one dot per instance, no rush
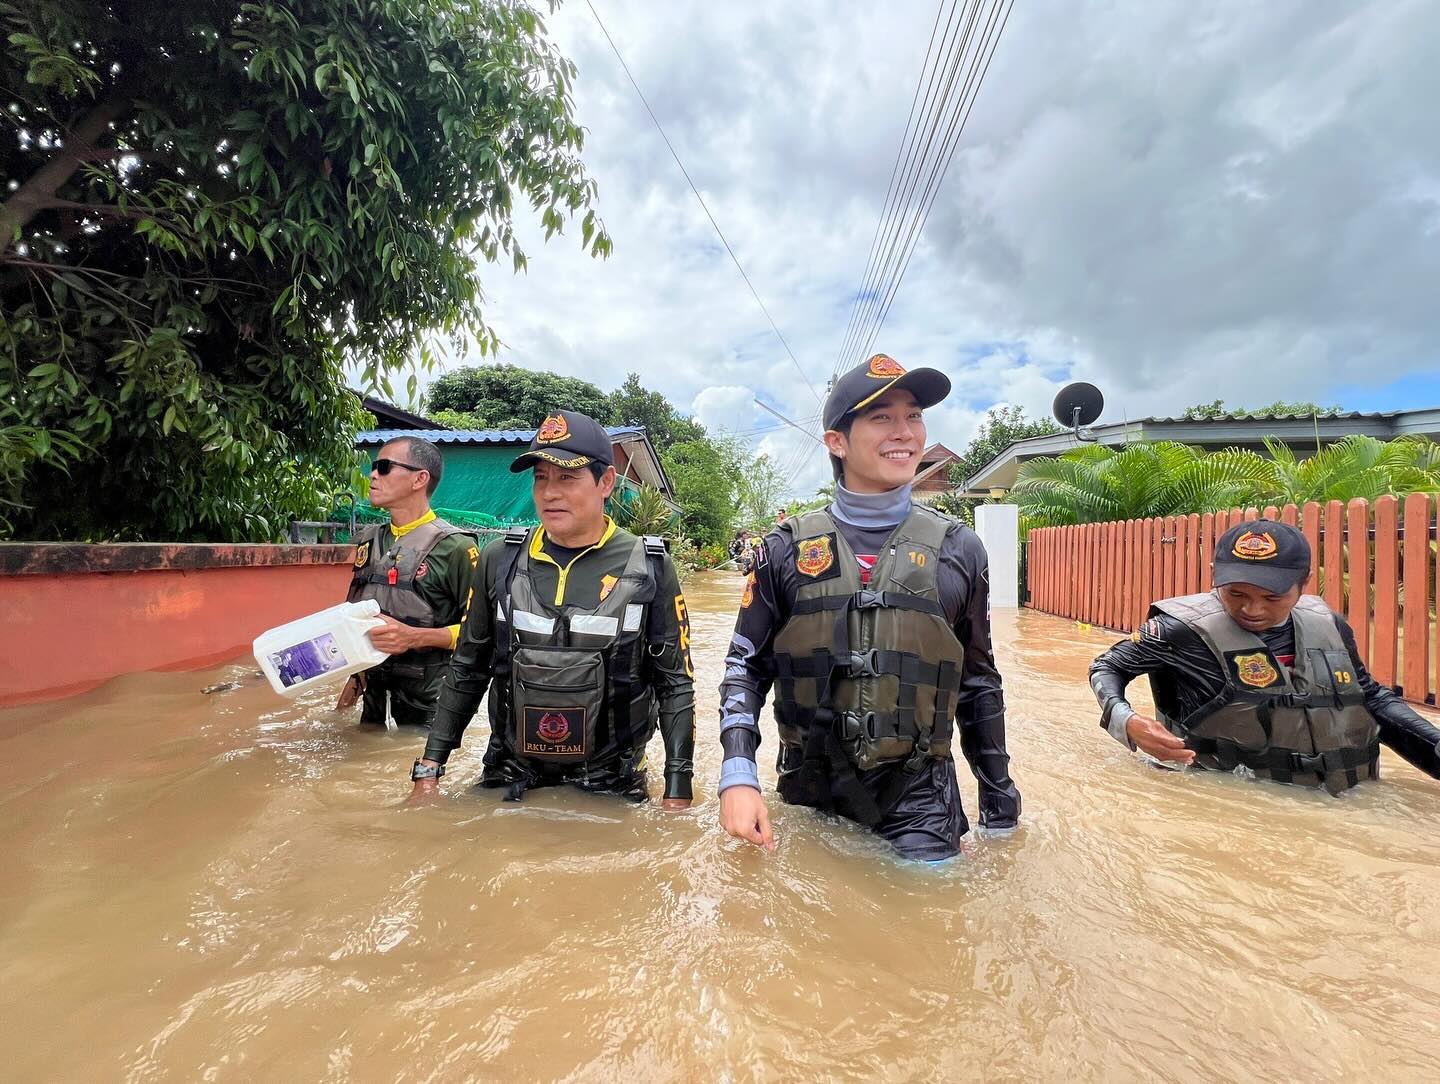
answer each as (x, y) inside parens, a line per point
(419, 569)
(1257, 678)
(871, 621)
(582, 638)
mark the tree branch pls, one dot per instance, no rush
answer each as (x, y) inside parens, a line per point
(38, 193)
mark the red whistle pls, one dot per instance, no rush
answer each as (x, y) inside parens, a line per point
(394, 576)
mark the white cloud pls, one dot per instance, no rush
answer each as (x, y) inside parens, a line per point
(1179, 202)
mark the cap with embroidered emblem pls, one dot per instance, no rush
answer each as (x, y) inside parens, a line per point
(859, 387)
(568, 439)
(1264, 553)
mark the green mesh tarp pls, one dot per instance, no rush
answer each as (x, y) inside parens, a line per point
(478, 491)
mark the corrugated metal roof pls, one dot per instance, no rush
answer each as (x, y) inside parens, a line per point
(473, 436)
(1341, 416)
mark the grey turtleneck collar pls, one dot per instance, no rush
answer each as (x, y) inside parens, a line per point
(871, 510)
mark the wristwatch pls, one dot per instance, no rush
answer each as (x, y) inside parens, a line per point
(425, 771)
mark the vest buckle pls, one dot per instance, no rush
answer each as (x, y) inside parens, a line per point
(919, 754)
(860, 664)
(852, 729)
(869, 600)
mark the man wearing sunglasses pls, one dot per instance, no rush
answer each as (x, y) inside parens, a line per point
(419, 568)
(581, 637)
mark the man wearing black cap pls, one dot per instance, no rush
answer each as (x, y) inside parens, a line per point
(871, 619)
(1256, 676)
(582, 638)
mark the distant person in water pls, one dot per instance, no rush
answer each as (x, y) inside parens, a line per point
(1258, 678)
(870, 619)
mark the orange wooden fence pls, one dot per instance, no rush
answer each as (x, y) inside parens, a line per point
(1376, 565)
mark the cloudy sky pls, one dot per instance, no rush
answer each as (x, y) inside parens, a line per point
(1177, 201)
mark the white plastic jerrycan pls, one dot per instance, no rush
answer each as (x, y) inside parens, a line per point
(321, 648)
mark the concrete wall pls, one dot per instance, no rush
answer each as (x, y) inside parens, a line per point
(998, 526)
(74, 616)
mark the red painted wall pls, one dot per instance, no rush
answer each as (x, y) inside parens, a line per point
(65, 631)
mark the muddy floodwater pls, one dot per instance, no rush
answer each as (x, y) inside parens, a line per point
(226, 887)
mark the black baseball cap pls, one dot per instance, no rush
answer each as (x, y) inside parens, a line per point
(567, 438)
(865, 383)
(1265, 553)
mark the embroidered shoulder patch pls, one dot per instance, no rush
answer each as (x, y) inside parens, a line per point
(749, 595)
(362, 555)
(607, 584)
(814, 555)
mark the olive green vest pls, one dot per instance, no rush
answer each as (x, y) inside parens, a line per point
(389, 578)
(570, 679)
(876, 665)
(1305, 724)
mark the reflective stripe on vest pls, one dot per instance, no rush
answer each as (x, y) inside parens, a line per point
(877, 665)
(1306, 724)
(537, 640)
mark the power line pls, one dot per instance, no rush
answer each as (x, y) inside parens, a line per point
(947, 153)
(788, 422)
(904, 153)
(720, 233)
(910, 202)
(889, 261)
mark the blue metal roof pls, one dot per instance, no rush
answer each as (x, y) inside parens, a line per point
(473, 436)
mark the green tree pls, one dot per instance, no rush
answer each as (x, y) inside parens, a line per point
(706, 476)
(1002, 427)
(1216, 408)
(761, 491)
(457, 419)
(509, 397)
(634, 404)
(215, 206)
(1096, 484)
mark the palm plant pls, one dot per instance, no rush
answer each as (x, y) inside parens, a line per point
(1358, 466)
(643, 511)
(1096, 484)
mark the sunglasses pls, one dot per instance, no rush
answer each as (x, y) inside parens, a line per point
(383, 467)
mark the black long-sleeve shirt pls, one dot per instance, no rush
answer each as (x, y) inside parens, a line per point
(1186, 676)
(965, 596)
(582, 580)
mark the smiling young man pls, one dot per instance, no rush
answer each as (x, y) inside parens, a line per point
(871, 620)
(419, 568)
(1255, 676)
(582, 638)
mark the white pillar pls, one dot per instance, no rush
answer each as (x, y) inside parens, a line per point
(998, 526)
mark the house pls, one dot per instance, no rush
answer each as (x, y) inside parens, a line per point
(1303, 434)
(934, 473)
(392, 417)
(478, 486)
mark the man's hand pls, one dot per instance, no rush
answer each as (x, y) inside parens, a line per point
(1152, 737)
(744, 816)
(424, 790)
(351, 692)
(393, 637)
(674, 805)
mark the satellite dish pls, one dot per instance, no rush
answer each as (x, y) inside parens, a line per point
(1078, 404)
